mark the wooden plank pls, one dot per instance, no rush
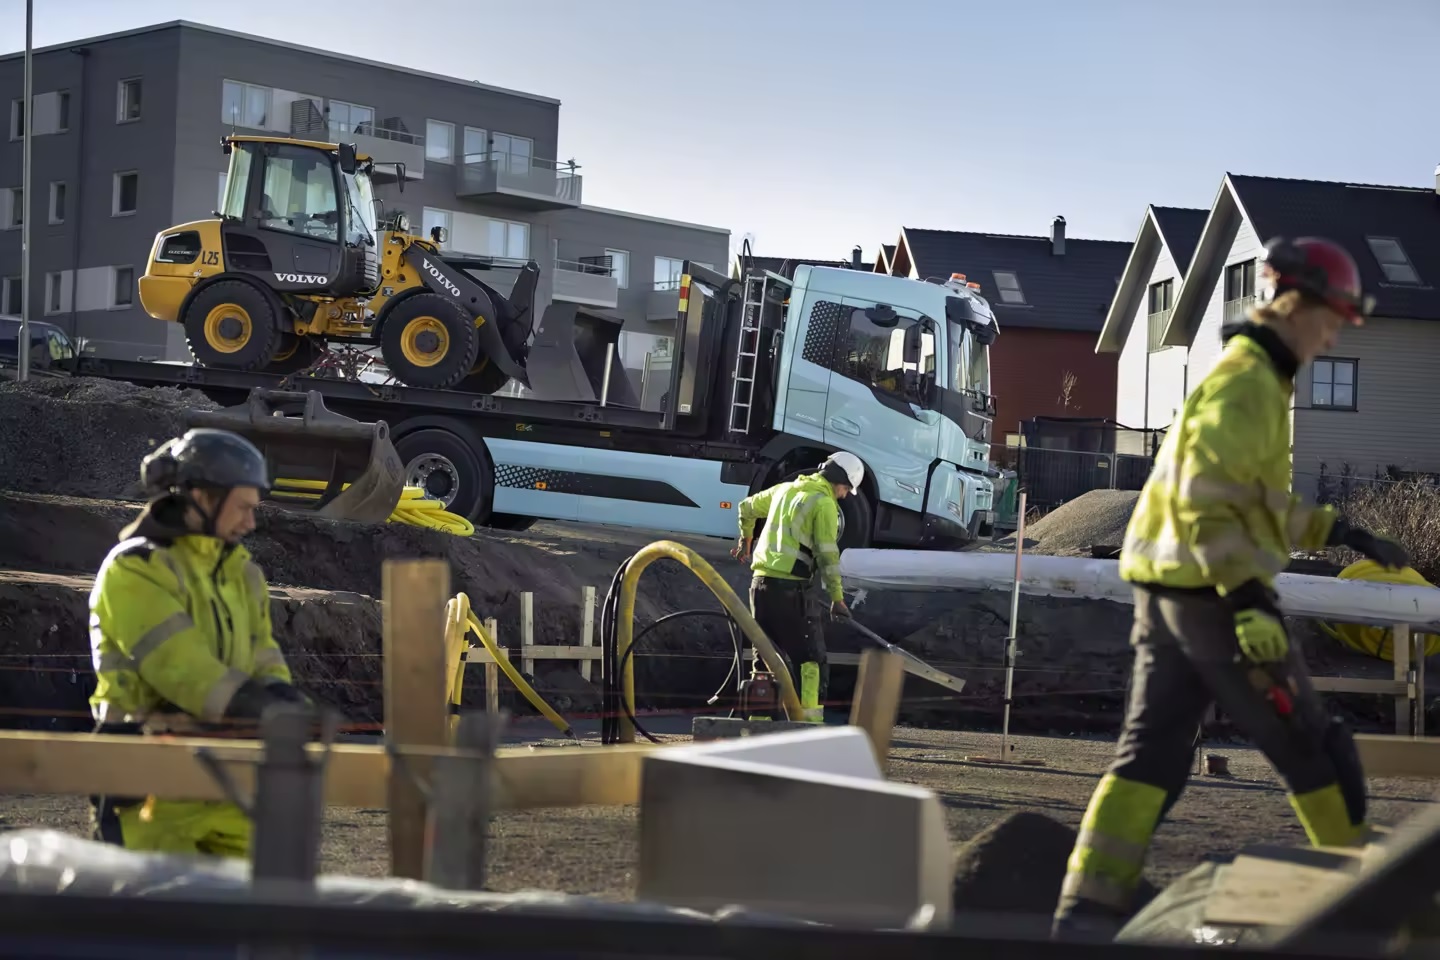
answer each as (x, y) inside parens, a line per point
(587, 628)
(455, 847)
(492, 670)
(80, 764)
(877, 699)
(1400, 647)
(1253, 891)
(527, 632)
(1383, 755)
(415, 593)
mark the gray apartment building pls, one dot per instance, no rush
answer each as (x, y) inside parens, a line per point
(127, 132)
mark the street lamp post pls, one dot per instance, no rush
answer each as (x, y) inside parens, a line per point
(22, 344)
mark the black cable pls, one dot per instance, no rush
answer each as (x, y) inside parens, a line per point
(634, 642)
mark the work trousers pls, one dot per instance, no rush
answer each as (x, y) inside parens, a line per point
(787, 612)
(1186, 658)
(209, 827)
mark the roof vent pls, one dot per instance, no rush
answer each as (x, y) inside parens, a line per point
(857, 257)
(1057, 236)
(1437, 179)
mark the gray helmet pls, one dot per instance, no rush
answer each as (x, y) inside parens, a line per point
(205, 458)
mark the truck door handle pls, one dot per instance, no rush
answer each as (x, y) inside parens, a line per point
(844, 426)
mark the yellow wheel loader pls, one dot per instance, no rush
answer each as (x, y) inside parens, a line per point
(295, 259)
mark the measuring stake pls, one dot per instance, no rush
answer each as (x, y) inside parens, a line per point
(1010, 641)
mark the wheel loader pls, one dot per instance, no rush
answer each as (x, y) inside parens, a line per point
(296, 259)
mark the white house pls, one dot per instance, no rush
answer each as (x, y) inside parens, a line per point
(1369, 404)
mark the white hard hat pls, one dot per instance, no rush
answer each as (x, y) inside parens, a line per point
(851, 464)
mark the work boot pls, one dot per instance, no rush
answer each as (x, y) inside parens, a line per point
(1085, 922)
(812, 715)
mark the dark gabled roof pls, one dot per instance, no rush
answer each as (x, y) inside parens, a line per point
(1348, 213)
(889, 251)
(1180, 228)
(1066, 292)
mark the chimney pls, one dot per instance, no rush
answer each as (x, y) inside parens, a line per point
(1057, 236)
(856, 257)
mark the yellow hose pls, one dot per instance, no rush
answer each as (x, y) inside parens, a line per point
(458, 610)
(1378, 642)
(696, 564)
(414, 507)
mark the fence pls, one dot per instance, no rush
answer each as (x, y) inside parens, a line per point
(1061, 458)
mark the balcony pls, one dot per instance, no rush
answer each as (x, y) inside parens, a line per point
(387, 143)
(515, 180)
(1237, 311)
(586, 281)
(664, 302)
(1157, 324)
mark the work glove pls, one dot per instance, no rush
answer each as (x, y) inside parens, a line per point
(838, 610)
(1385, 552)
(1259, 629)
(250, 701)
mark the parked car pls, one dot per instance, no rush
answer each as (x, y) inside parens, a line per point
(52, 352)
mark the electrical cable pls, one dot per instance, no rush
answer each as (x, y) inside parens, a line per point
(679, 615)
(414, 507)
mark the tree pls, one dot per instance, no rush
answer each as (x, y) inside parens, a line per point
(1067, 392)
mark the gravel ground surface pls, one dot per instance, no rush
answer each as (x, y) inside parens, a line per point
(1097, 518)
(592, 850)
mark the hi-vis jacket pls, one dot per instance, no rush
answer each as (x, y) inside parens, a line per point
(1217, 510)
(802, 531)
(178, 622)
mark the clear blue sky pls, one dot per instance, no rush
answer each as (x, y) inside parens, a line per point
(887, 113)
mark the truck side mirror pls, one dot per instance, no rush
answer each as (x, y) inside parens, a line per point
(911, 352)
(348, 161)
(882, 315)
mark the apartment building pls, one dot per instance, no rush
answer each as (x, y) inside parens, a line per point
(127, 132)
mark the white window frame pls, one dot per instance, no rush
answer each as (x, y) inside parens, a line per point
(54, 283)
(115, 192)
(57, 188)
(622, 277)
(115, 286)
(674, 284)
(14, 202)
(507, 225)
(11, 286)
(429, 141)
(17, 122)
(120, 88)
(509, 154)
(427, 213)
(350, 106)
(244, 89)
(477, 156)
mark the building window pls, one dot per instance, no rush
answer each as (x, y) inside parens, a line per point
(57, 202)
(515, 153)
(476, 145)
(432, 218)
(122, 287)
(17, 119)
(619, 266)
(245, 105)
(62, 111)
(667, 273)
(54, 293)
(1332, 384)
(508, 239)
(1008, 284)
(346, 118)
(127, 101)
(439, 141)
(1393, 260)
(14, 208)
(125, 194)
(1240, 281)
(12, 294)
(1160, 300)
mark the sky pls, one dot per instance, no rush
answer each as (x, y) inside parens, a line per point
(815, 125)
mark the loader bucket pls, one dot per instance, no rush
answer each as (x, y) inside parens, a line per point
(321, 461)
(567, 358)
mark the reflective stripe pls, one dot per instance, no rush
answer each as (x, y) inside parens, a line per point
(268, 657)
(1203, 488)
(1232, 545)
(1116, 848)
(151, 639)
(113, 661)
(220, 694)
(1095, 888)
(109, 713)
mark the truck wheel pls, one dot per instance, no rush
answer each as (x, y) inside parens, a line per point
(232, 324)
(484, 378)
(857, 519)
(427, 341)
(447, 469)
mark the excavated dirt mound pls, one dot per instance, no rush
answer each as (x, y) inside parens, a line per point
(1097, 518)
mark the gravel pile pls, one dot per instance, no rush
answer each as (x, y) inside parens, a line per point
(1097, 518)
(85, 437)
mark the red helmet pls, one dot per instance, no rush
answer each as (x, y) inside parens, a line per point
(1318, 267)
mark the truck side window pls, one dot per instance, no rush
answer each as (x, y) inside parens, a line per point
(875, 356)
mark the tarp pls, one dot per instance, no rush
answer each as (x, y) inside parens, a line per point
(1352, 601)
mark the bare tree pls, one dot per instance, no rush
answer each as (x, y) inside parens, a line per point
(1067, 392)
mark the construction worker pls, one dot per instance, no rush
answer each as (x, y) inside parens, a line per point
(801, 538)
(1214, 524)
(180, 632)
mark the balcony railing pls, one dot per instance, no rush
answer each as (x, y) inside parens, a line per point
(1237, 311)
(386, 142)
(588, 280)
(1157, 330)
(520, 180)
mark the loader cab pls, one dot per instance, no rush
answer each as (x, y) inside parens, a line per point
(300, 215)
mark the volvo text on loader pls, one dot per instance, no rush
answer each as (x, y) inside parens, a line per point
(295, 259)
(768, 374)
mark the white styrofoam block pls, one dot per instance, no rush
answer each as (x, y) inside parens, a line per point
(843, 751)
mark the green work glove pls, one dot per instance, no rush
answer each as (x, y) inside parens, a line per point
(1262, 636)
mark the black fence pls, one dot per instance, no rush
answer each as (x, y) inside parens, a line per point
(1060, 458)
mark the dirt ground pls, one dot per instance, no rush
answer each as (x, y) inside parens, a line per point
(592, 850)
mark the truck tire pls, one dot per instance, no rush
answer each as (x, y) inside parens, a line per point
(857, 517)
(509, 521)
(427, 341)
(232, 324)
(449, 469)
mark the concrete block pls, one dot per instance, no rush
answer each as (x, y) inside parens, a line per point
(725, 728)
(801, 824)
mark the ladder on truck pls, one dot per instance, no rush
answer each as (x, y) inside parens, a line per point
(747, 353)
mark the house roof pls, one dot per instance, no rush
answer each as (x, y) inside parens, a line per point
(1347, 213)
(886, 258)
(1176, 229)
(1070, 291)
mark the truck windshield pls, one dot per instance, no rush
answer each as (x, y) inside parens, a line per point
(970, 362)
(360, 223)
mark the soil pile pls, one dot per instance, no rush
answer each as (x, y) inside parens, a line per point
(1097, 518)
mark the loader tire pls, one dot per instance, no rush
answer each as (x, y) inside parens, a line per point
(293, 354)
(485, 378)
(427, 341)
(232, 324)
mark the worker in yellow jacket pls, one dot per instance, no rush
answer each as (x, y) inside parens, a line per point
(800, 539)
(1215, 523)
(180, 632)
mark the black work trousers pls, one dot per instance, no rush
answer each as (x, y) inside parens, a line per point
(786, 610)
(1186, 658)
